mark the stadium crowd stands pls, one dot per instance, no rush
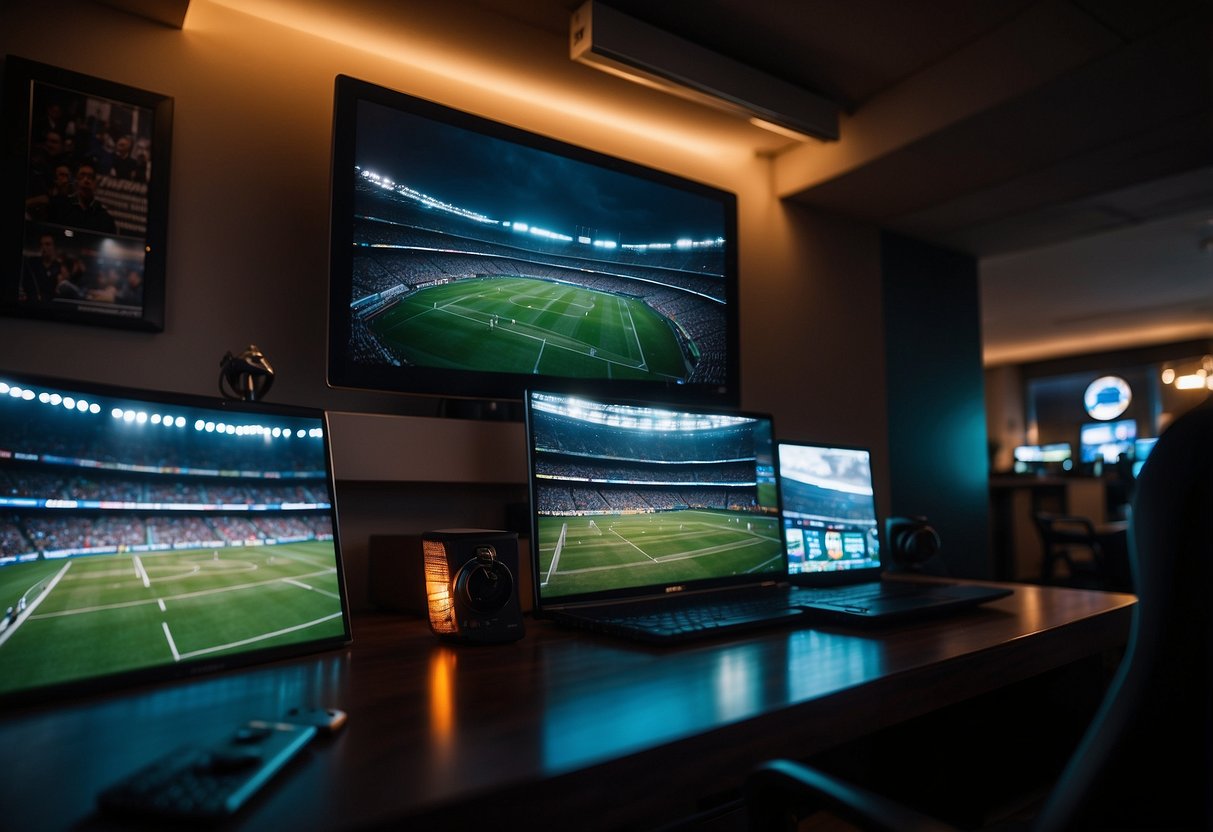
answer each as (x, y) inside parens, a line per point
(401, 248)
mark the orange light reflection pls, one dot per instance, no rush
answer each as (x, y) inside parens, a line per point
(443, 56)
(442, 697)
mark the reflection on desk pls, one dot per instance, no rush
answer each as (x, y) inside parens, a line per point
(562, 728)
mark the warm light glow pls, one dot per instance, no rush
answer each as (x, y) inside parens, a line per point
(442, 696)
(1168, 376)
(780, 130)
(438, 588)
(1193, 381)
(442, 56)
(1112, 338)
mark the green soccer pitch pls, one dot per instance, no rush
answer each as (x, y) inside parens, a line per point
(530, 326)
(589, 553)
(91, 616)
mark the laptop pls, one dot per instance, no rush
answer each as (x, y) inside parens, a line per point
(201, 531)
(652, 522)
(833, 542)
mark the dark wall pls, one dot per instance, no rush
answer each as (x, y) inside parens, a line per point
(938, 454)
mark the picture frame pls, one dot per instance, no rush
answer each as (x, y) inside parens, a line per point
(83, 198)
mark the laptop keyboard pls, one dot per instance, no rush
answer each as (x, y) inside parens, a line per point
(670, 622)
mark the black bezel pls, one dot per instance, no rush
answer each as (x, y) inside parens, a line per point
(343, 373)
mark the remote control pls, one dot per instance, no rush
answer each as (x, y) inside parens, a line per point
(326, 720)
(202, 783)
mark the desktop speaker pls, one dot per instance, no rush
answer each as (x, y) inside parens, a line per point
(470, 585)
(912, 540)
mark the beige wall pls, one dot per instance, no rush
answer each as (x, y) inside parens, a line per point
(247, 242)
(1004, 414)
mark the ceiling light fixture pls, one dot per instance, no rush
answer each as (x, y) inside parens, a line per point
(613, 42)
(1200, 378)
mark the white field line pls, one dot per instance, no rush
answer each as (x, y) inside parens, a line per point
(140, 572)
(171, 644)
(310, 588)
(261, 637)
(29, 610)
(197, 594)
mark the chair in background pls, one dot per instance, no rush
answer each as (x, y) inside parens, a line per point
(1064, 538)
(1146, 760)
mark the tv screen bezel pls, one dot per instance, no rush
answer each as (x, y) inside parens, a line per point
(91, 685)
(341, 372)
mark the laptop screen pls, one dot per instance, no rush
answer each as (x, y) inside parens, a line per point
(829, 509)
(631, 499)
(147, 535)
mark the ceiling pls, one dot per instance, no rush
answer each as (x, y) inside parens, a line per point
(1073, 155)
(1066, 143)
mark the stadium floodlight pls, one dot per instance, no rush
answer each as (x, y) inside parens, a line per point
(613, 42)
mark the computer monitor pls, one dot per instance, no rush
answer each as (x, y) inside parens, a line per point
(1106, 441)
(1054, 457)
(636, 498)
(1141, 451)
(828, 508)
(148, 535)
(473, 259)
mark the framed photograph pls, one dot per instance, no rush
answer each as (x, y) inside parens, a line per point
(83, 198)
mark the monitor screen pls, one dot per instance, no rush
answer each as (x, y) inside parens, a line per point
(1141, 452)
(1107, 441)
(1043, 458)
(472, 259)
(642, 497)
(828, 508)
(147, 535)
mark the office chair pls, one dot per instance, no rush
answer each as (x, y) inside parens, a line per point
(1146, 760)
(1060, 535)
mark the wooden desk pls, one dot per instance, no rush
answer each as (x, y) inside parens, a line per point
(558, 730)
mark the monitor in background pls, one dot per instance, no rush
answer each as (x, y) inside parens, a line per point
(829, 508)
(1044, 459)
(1106, 441)
(473, 259)
(148, 535)
(1141, 451)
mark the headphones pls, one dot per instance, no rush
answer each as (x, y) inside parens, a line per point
(912, 540)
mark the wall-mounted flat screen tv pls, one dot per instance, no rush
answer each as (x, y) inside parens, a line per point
(471, 259)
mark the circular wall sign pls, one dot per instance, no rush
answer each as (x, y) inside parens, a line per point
(1107, 397)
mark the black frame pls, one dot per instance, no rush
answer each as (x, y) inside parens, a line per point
(344, 372)
(105, 265)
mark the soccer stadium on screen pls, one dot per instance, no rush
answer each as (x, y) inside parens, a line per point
(634, 497)
(437, 284)
(137, 535)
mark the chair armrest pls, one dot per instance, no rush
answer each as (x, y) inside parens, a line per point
(779, 791)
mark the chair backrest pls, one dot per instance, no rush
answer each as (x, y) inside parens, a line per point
(1058, 533)
(1062, 528)
(1147, 759)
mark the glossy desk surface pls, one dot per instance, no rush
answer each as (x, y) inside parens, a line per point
(559, 729)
